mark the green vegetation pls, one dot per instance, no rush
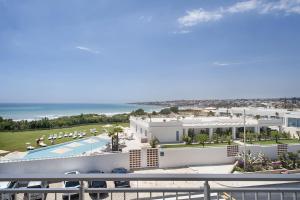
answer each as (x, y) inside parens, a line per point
(187, 139)
(154, 142)
(193, 145)
(62, 122)
(16, 141)
(269, 137)
(114, 134)
(282, 141)
(202, 139)
(259, 162)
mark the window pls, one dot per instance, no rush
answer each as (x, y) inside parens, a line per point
(146, 133)
(141, 130)
(292, 122)
(177, 136)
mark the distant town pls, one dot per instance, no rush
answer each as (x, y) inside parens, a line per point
(285, 103)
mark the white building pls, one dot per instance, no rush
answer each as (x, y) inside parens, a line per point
(170, 130)
(290, 119)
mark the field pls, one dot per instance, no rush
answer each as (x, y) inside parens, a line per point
(16, 141)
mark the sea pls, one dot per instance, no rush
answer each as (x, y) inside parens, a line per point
(35, 111)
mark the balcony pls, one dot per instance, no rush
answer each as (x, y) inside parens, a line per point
(287, 189)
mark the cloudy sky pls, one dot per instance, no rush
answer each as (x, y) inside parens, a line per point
(133, 50)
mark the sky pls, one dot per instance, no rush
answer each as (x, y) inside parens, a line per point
(100, 51)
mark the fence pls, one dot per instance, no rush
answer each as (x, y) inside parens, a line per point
(205, 192)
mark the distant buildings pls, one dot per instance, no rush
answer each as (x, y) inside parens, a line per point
(290, 119)
(171, 130)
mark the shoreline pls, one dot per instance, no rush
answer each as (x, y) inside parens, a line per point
(34, 112)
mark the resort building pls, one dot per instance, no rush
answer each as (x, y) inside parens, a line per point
(171, 130)
(290, 119)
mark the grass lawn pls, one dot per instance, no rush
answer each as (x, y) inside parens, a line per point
(193, 145)
(16, 141)
(283, 141)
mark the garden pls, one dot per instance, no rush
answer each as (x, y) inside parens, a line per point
(261, 163)
(268, 137)
(201, 139)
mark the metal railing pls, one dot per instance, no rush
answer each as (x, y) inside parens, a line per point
(288, 189)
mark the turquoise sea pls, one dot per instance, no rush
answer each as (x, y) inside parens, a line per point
(34, 111)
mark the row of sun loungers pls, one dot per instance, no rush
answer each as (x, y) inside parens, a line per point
(61, 135)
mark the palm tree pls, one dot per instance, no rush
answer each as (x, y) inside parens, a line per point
(114, 134)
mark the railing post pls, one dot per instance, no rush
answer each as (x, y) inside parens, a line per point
(81, 191)
(206, 191)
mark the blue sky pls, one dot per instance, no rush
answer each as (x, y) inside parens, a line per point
(132, 50)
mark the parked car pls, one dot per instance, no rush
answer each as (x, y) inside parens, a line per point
(97, 184)
(121, 184)
(7, 185)
(71, 184)
(36, 196)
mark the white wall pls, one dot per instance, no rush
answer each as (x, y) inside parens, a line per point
(180, 157)
(166, 134)
(105, 162)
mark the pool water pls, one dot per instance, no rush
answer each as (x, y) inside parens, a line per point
(78, 147)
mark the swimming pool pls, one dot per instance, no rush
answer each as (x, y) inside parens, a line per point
(73, 148)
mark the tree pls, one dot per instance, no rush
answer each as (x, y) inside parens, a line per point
(257, 117)
(154, 113)
(275, 135)
(210, 113)
(154, 142)
(187, 139)
(165, 111)
(138, 112)
(174, 109)
(202, 138)
(250, 136)
(298, 134)
(114, 134)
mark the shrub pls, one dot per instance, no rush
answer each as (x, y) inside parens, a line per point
(202, 138)
(154, 142)
(187, 139)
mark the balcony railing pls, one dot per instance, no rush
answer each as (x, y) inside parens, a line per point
(287, 189)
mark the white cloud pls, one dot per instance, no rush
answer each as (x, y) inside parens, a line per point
(243, 6)
(87, 49)
(145, 18)
(194, 17)
(220, 64)
(286, 6)
(181, 32)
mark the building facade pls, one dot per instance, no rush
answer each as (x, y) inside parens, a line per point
(290, 119)
(171, 130)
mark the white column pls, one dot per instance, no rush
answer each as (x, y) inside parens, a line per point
(233, 132)
(211, 132)
(257, 129)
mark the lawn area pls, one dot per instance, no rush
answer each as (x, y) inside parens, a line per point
(16, 141)
(272, 142)
(194, 145)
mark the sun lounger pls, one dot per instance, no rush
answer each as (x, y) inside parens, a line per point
(71, 134)
(66, 135)
(42, 144)
(30, 148)
(50, 137)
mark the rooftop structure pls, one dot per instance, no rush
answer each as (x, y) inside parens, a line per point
(170, 130)
(291, 119)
